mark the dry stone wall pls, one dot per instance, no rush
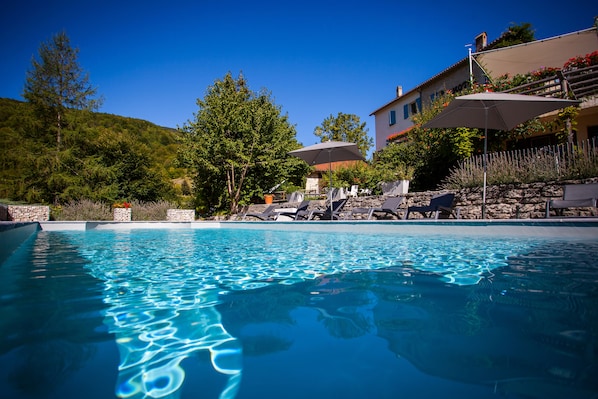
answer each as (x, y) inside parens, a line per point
(506, 201)
(25, 213)
(516, 201)
(180, 215)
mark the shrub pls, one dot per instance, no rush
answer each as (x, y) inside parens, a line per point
(360, 174)
(545, 164)
(145, 211)
(83, 209)
(91, 210)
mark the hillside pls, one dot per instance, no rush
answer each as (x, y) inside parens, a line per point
(102, 157)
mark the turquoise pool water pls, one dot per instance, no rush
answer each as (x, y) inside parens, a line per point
(233, 313)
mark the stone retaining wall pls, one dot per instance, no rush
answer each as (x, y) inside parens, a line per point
(180, 215)
(507, 201)
(517, 201)
(25, 213)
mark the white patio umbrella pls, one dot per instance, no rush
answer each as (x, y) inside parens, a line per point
(329, 151)
(499, 111)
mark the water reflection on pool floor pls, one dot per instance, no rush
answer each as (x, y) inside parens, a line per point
(237, 314)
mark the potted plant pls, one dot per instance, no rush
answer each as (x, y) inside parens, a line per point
(395, 180)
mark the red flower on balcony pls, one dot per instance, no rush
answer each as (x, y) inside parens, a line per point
(582, 61)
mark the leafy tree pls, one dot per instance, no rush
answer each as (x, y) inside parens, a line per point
(397, 161)
(237, 146)
(57, 83)
(345, 127)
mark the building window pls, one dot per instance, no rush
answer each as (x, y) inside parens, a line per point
(412, 108)
(392, 118)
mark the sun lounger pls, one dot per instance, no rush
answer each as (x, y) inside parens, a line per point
(296, 196)
(441, 206)
(291, 213)
(268, 214)
(390, 206)
(337, 207)
(574, 196)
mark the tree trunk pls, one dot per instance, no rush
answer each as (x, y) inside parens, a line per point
(569, 131)
(59, 126)
(235, 188)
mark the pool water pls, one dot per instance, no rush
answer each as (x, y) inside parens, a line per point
(232, 313)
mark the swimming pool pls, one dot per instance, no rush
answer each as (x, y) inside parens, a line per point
(262, 311)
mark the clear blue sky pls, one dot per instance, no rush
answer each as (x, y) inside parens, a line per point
(153, 59)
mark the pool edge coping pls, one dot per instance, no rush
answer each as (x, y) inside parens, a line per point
(570, 227)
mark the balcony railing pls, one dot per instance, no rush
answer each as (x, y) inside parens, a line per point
(576, 84)
(583, 82)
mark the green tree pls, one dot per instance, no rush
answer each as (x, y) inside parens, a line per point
(105, 158)
(236, 148)
(397, 161)
(56, 83)
(515, 34)
(345, 127)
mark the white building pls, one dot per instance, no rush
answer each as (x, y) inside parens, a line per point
(393, 119)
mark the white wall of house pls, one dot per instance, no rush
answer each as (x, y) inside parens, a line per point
(386, 124)
(455, 80)
(404, 107)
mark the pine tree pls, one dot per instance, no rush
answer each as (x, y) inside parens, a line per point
(56, 83)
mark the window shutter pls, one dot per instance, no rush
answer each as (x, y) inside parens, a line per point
(392, 117)
(419, 104)
(406, 111)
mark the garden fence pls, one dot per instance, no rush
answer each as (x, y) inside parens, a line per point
(561, 161)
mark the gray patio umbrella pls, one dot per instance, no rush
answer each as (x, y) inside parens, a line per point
(499, 111)
(328, 152)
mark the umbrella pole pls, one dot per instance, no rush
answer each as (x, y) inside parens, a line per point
(485, 162)
(330, 180)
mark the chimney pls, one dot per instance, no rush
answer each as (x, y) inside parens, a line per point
(399, 91)
(481, 41)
